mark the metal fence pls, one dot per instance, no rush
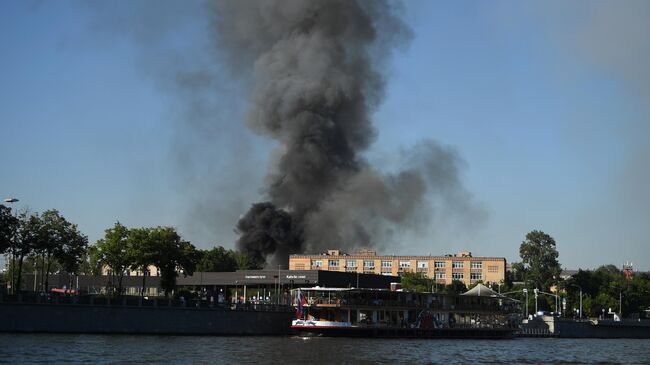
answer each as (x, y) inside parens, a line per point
(133, 301)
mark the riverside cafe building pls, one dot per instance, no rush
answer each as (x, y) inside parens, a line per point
(273, 286)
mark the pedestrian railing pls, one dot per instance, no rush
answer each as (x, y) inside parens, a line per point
(133, 301)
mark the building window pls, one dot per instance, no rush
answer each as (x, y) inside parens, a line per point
(423, 264)
(386, 264)
(457, 264)
(441, 275)
(493, 268)
(333, 263)
(457, 276)
(476, 265)
(439, 264)
(475, 276)
(369, 264)
(351, 263)
(404, 264)
(316, 263)
(300, 266)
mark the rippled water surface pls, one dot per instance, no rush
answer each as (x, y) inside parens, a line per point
(117, 349)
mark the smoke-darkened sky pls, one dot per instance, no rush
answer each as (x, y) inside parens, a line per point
(537, 110)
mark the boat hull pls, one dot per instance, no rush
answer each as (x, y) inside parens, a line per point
(389, 332)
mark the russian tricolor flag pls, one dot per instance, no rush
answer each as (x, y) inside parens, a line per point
(301, 302)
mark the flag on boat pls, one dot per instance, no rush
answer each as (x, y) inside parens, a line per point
(301, 302)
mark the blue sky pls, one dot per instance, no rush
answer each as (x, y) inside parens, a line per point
(546, 102)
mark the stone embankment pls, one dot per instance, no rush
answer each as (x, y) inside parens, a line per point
(140, 316)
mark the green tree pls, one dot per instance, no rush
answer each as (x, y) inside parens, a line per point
(8, 226)
(606, 287)
(140, 250)
(539, 260)
(57, 241)
(456, 287)
(171, 254)
(72, 248)
(416, 281)
(27, 240)
(217, 259)
(246, 262)
(91, 264)
(112, 252)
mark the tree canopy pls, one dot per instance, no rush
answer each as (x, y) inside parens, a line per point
(416, 281)
(48, 238)
(607, 288)
(112, 252)
(221, 259)
(8, 225)
(171, 254)
(539, 260)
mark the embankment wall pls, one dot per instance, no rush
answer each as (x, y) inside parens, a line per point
(76, 318)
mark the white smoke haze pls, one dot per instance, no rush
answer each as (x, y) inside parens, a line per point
(607, 41)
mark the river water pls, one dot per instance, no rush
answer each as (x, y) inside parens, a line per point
(119, 349)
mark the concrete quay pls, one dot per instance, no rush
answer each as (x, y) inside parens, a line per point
(548, 326)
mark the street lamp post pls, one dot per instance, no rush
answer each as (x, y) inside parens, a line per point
(536, 291)
(13, 285)
(526, 293)
(579, 287)
(620, 304)
(279, 283)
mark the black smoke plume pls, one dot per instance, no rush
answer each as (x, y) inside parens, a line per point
(311, 73)
(316, 76)
(267, 231)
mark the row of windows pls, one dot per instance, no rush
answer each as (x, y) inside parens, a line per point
(460, 276)
(402, 264)
(440, 275)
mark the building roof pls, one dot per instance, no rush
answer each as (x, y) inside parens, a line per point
(481, 290)
(373, 255)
